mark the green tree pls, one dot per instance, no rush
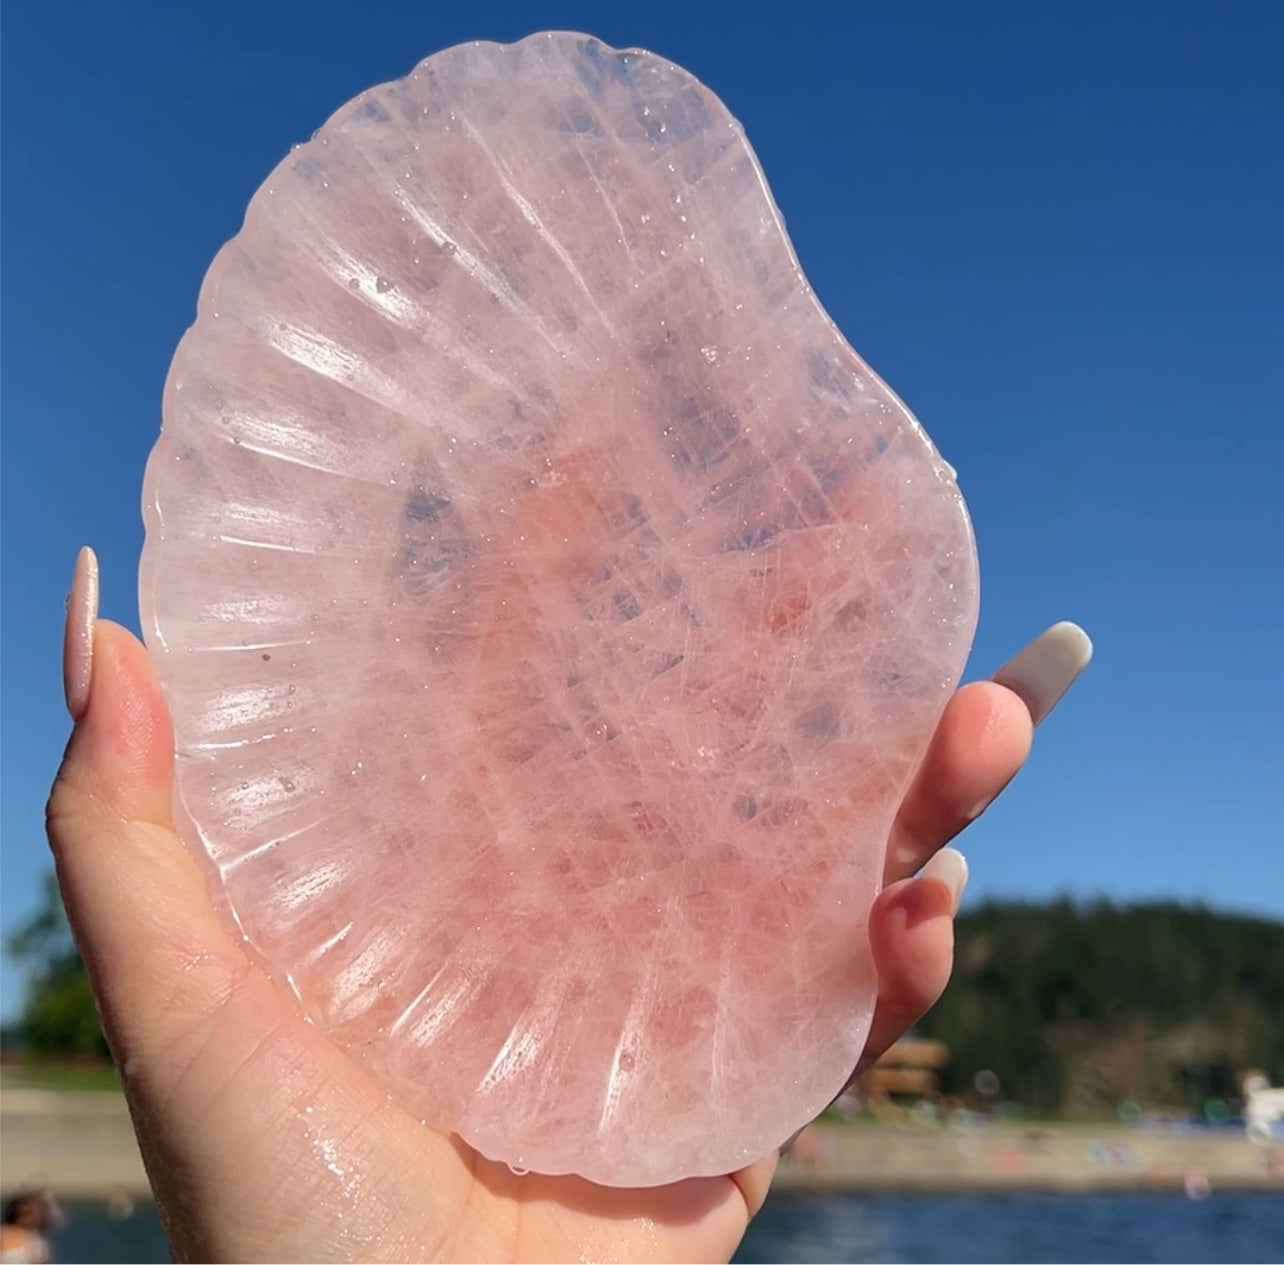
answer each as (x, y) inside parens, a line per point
(58, 1015)
(1079, 1007)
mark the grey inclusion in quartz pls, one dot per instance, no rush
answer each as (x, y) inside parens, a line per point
(553, 609)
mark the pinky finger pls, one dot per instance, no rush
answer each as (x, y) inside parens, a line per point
(911, 935)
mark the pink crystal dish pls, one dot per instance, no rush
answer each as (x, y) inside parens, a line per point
(553, 609)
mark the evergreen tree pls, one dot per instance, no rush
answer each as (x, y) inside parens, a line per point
(1081, 1007)
(58, 1015)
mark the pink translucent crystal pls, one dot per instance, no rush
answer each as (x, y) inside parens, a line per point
(553, 609)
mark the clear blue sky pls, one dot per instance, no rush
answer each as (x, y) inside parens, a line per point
(1054, 229)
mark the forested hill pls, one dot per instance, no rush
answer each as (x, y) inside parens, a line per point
(1081, 1007)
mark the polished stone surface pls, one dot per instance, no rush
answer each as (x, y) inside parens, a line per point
(553, 608)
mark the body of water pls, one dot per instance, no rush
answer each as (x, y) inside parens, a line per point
(910, 1228)
(1017, 1228)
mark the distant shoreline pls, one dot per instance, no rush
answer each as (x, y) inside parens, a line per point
(81, 1145)
(993, 1157)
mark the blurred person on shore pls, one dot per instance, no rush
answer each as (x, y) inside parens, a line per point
(28, 1217)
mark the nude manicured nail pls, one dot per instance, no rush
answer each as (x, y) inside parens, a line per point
(78, 636)
(1047, 667)
(948, 866)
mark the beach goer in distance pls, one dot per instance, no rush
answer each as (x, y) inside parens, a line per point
(28, 1216)
(264, 1141)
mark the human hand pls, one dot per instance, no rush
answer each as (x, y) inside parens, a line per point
(265, 1141)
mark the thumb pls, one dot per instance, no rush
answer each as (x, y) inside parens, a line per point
(155, 950)
(235, 1097)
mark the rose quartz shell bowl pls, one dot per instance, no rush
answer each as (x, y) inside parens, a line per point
(553, 609)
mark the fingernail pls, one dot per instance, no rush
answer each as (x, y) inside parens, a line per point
(78, 636)
(948, 866)
(1047, 667)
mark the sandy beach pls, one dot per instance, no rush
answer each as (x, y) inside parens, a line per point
(81, 1144)
(991, 1156)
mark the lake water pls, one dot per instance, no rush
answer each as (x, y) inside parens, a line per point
(911, 1228)
(1017, 1228)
